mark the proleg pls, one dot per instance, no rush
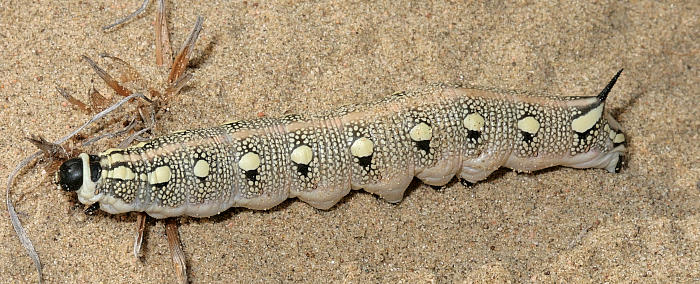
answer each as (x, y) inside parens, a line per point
(435, 134)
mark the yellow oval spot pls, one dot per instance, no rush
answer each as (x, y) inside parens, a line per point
(474, 122)
(122, 172)
(250, 161)
(362, 147)
(619, 138)
(302, 155)
(421, 132)
(588, 120)
(529, 124)
(201, 168)
(160, 175)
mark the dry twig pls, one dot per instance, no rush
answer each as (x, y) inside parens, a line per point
(176, 252)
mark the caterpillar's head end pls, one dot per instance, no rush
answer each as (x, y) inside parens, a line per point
(70, 175)
(80, 174)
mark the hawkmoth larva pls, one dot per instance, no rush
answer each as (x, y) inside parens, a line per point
(434, 134)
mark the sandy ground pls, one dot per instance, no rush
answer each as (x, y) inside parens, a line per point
(556, 225)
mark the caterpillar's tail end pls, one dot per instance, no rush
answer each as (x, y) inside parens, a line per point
(604, 93)
(619, 138)
(600, 133)
(616, 156)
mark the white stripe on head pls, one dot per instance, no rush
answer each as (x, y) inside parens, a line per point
(86, 193)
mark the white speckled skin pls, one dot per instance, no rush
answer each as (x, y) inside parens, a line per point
(378, 147)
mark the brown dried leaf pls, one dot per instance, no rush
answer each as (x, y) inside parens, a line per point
(108, 79)
(50, 149)
(72, 100)
(183, 57)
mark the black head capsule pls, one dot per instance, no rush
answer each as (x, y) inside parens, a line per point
(70, 174)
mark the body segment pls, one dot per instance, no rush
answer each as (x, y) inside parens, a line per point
(434, 134)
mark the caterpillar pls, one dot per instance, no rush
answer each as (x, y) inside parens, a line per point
(433, 133)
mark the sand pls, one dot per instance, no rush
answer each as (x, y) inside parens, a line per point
(276, 58)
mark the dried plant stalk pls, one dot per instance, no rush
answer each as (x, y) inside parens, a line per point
(164, 52)
(140, 229)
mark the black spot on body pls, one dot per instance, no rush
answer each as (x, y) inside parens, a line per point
(365, 162)
(251, 175)
(303, 169)
(423, 145)
(474, 135)
(527, 137)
